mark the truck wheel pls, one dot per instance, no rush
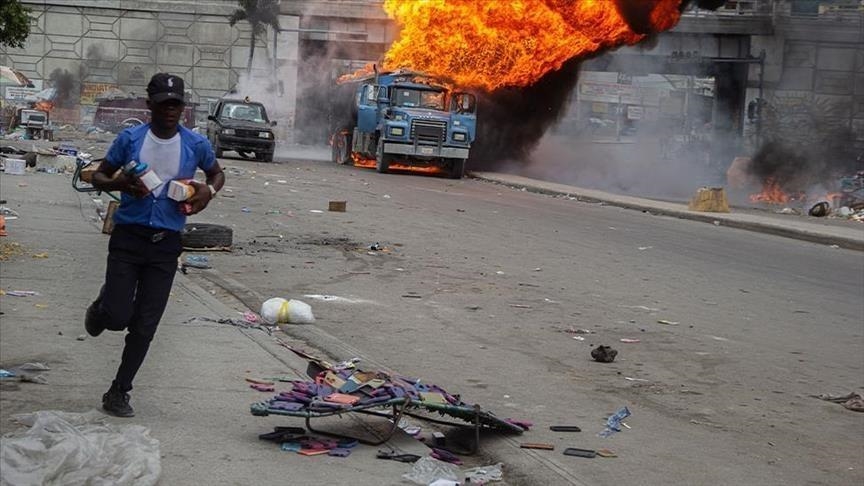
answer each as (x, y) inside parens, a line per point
(457, 168)
(341, 152)
(264, 156)
(204, 235)
(382, 160)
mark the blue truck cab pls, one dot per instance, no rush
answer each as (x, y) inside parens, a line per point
(410, 119)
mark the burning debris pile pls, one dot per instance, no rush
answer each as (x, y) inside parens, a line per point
(824, 177)
(523, 56)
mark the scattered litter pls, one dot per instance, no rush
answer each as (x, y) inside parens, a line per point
(629, 340)
(499, 272)
(446, 456)
(579, 338)
(245, 210)
(667, 323)
(643, 248)
(572, 451)
(197, 261)
(6, 374)
(538, 269)
(262, 387)
(21, 293)
(606, 453)
(537, 445)
(520, 306)
(579, 331)
(718, 338)
(427, 470)
(316, 211)
(258, 381)
(634, 379)
(853, 401)
(834, 246)
(412, 296)
(40, 306)
(81, 337)
(336, 298)
(565, 428)
(604, 354)
(280, 311)
(375, 246)
(77, 448)
(40, 255)
(641, 307)
(393, 456)
(282, 181)
(485, 474)
(337, 206)
(386, 196)
(613, 423)
(242, 323)
(252, 317)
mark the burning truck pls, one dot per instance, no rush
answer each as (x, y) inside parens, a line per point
(402, 119)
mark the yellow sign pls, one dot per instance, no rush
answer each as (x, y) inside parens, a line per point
(89, 91)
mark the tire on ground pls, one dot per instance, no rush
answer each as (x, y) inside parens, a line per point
(206, 235)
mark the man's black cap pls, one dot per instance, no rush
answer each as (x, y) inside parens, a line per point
(164, 87)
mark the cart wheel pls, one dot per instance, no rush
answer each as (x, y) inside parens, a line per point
(205, 235)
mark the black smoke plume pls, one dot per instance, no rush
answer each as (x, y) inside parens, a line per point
(68, 88)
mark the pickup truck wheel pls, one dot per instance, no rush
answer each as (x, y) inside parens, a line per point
(264, 156)
(382, 160)
(457, 168)
(204, 235)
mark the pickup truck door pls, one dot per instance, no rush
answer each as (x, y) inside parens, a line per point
(212, 129)
(367, 109)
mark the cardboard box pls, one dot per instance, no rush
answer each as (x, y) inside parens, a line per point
(180, 190)
(14, 166)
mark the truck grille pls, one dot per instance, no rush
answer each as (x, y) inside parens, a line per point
(428, 131)
(246, 133)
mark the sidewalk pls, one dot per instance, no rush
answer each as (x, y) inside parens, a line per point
(851, 237)
(190, 392)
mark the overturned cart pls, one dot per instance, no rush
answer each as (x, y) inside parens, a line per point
(336, 390)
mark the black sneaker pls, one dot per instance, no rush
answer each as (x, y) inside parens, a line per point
(116, 403)
(92, 323)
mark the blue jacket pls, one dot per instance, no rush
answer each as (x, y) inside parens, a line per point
(157, 212)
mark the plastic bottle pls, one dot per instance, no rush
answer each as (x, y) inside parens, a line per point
(142, 171)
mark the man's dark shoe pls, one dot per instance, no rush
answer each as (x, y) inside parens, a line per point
(116, 403)
(92, 323)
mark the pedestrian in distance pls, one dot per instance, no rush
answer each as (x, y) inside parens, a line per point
(145, 242)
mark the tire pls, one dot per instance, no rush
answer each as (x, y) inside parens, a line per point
(204, 235)
(382, 160)
(341, 153)
(246, 155)
(456, 169)
(264, 156)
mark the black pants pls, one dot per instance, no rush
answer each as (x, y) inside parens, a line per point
(142, 262)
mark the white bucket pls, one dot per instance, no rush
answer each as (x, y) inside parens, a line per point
(15, 166)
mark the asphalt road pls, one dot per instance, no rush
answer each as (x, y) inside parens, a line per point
(478, 285)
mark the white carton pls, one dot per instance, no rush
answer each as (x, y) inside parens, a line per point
(180, 190)
(15, 166)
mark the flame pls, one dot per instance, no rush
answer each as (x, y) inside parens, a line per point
(360, 161)
(45, 106)
(490, 44)
(772, 193)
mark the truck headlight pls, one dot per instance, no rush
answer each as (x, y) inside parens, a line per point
(397, 131)
(263, 134)
(228, 131)
(399, 117)
(459, 137)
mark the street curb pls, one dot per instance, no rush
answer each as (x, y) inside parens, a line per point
(645, 205)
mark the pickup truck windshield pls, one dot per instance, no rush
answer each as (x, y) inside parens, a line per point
(239, 111)
(414, 98)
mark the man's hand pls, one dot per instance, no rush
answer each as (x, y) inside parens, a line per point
(132, 185)
(200, 199)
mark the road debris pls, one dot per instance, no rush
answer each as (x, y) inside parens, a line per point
(79, 445)
(630, 341)
(613, 423)
(853, 401)
(338, 206)
(565, 428)
(604, 354)
(667, 323)
(280, 311)
(537, 445)
(573, 451)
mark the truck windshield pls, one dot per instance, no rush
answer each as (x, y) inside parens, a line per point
(239, 111)
(415, 98)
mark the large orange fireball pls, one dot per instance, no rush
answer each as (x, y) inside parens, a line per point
(495, 43)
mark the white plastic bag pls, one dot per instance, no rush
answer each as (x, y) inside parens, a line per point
(63, 448)
(427, 470)
(280, 311)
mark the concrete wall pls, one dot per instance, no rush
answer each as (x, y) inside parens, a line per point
(121, 43)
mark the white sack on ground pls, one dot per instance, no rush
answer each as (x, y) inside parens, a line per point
(64, 448)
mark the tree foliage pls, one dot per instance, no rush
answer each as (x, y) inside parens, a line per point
(15, 23)
(260, 14)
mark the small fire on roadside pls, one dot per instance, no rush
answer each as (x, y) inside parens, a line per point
(45, 106)
(773, 193)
